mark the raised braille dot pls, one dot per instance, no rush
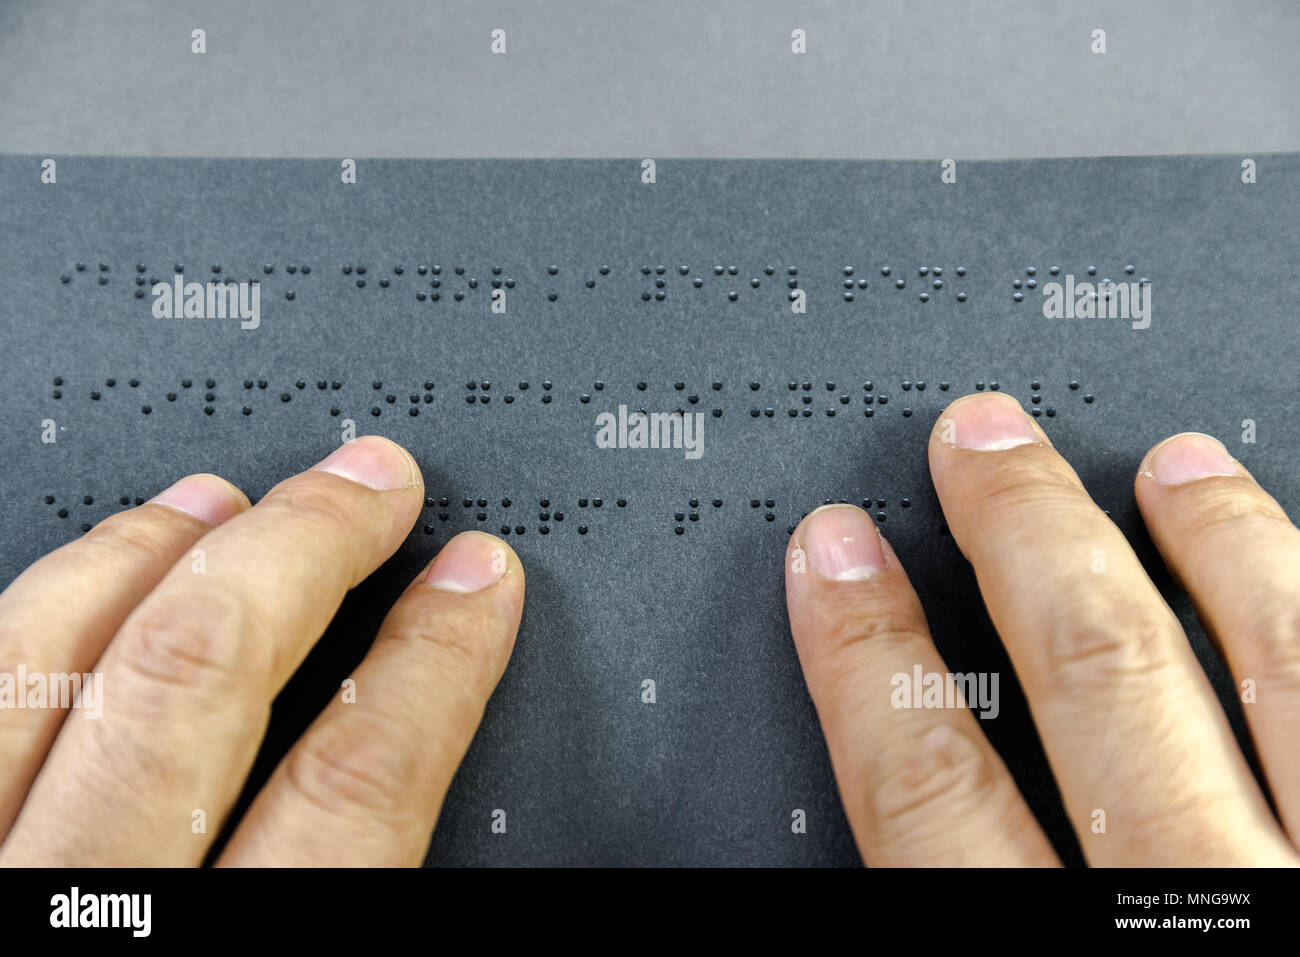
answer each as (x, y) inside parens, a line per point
(546, 384)
(1018, 297)
(146, 409)
(1089, 398)
(1092, 270)
(1074, 384)
(62, 513)
(546, 399)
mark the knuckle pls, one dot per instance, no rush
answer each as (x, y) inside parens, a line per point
(463, 642)
(930, 780)
(1269, 649)
(865, 632)
(353, 771)
(192, 645)
(1029, 484)
(140, 532)
(310, 498)
(1095, 645)
(1227, 510)
(20, 648)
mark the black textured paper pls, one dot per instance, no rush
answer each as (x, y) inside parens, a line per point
(586, 772)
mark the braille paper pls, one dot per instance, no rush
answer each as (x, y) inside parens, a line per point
(642, 564)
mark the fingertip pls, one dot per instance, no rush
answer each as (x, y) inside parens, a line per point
(840, 543)
(985, 422)
(1186, 457)
(207, 497)
(473, 561)
(376, 462)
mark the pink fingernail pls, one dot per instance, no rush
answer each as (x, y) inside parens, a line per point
(842, 543)
(373, 461)
(469, 562)
(986, 423)
(206, 497)
(1187, 457)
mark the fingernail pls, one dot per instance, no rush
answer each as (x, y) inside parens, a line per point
(1187, 457)
(206, 497)
(986, 423)
(469, 562)
(373, 461)
(842, 543)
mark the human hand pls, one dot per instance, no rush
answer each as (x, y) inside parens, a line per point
(195, 609)
(1131, 727)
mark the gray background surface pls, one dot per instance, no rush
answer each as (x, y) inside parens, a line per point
(909, 79)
